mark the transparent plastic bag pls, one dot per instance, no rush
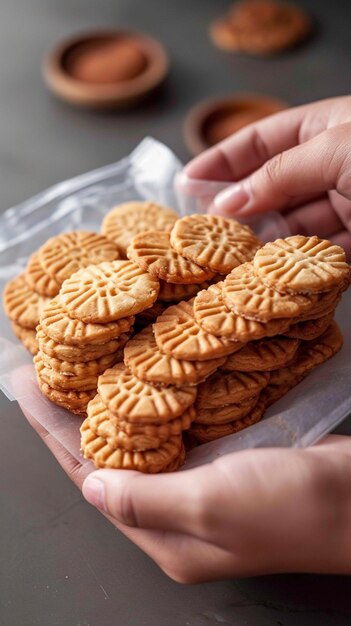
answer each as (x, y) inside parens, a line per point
(304, 415)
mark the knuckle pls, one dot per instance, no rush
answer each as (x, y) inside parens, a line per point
(273, 168)
(127, 511)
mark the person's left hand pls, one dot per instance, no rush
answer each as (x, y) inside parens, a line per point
(247, 513)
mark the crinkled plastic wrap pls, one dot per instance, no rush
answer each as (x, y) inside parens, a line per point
(304, 415)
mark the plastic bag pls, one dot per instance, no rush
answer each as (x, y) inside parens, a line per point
(305, 414)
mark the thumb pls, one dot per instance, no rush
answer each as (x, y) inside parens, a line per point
(320, 164)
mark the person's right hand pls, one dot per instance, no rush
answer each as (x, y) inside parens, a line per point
(297, 161)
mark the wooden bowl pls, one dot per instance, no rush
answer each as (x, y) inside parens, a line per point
(210, 122)
(105, 69)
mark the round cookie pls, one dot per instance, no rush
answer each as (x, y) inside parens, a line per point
(80, 369)
(126, 220)
(301, 265)
(136, 401)
(245, 294)
(214, 317)
(74, 401)
(177, 334)
(144, 359)
(319, 350)
(225, 414)
(311, 329)
(108, 292)
(27, 336)
(65, 254)
(61, 382)
(216, 243)
(39, 280)
(204, 433)
(104, 454)
(176, 292)
(152, 251)
(264, 355)
(22, 305)
(57, 324)
(163, 431)
(223, 389)
(75, 354)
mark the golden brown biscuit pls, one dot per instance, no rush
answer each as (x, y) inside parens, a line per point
(214, 242)
(75, 354)
(225, 414)
(176, 292)
(205, 433)
(57, 324)
(264, 355)
(27, 336)
(152, 251)
(65, 254)
(222, 389)
(178, 461)
(125, 221)
(74, 401)
(61, 382)
(163, 431)
(39, 280)
(144, 359)
(21, 304)
(245, 294)
(311, 329)
(214, 317)
(177, 334)
(131, 399)
(108, 292)
(80, 369)
(301, 265)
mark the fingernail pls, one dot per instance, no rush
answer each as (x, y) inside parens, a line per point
(94, 492)
(230, 200)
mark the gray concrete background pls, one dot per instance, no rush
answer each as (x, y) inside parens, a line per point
(62, 563)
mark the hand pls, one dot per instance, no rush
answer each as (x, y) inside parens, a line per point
(297, 161)
(248, 513)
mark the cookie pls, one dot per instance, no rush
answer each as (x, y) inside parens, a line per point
(65, 254)
(108, 292)
(223, 389)
(177, 334)
(74, 353)
(163, 431)
(214, 317)
(273, 393)
(225, 414)
(325, 303)
(57, 324)
(61, 382)
(104, 454)
(21, 304)
(301, 265)
(127, 220)
(80, 369)
(311, 329)
(149, 315)
(261, 27)
(178, 461)
(27, 336)
(214, 242)
(144, 359)
(131, 399)
(264, 355)
(152, 251)
(245, 294)
(74, 401)
(101, 422)
(175, 292)
(204, 433)
(38, 280)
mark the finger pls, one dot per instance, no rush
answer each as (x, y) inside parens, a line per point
(342, 207)
(250, 147)
(314, 218)
(343, 239)
(319, 165)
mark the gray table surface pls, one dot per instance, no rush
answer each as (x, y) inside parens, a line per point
(62, 563)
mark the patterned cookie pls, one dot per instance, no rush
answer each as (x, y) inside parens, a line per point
(225, 414)
(127, 220)
(57, 324)
(74, 401)
(205, 433)
(75, 354)
(61, 382)
(27, 336)
(80, 369)
(22, 305)
(39, 280)
(223, 389)
(131, 399)
(144, 359)
(163, 431)
(178, 461)
(325, 303)
(214, 317)
(273, 393)
(104, 454)
(301, 265)
(175, 292)
(245, 294)
(152, 251)
(108, 292)
(178, 334)
(311, 329)
(65, 254)
(101, 422)
(214, 242)
(264, 355)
